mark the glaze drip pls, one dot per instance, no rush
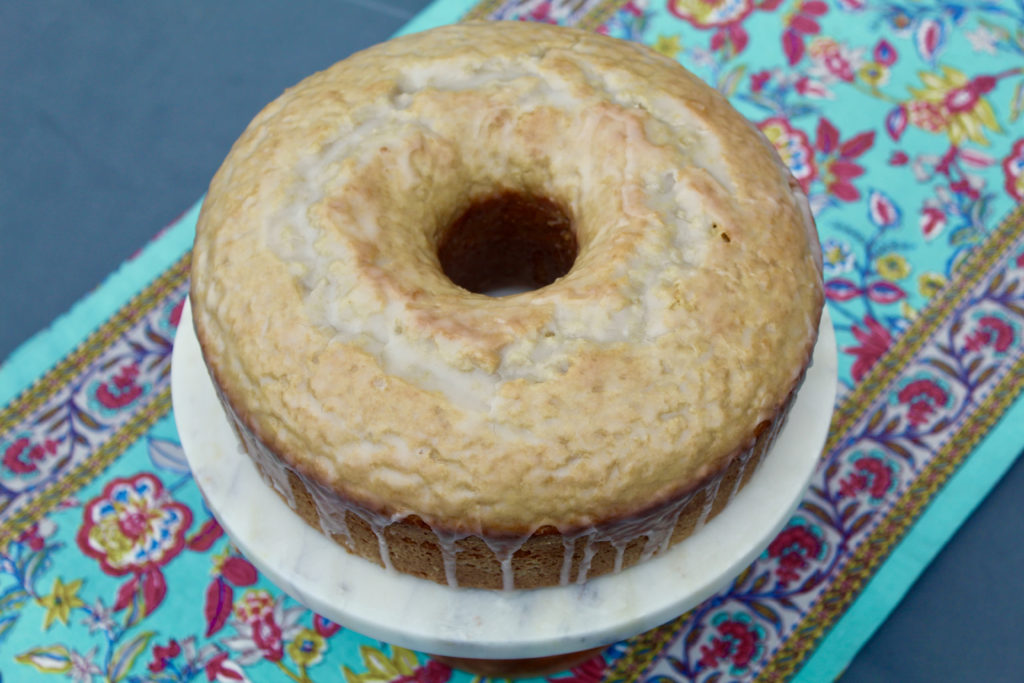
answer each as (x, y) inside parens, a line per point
(710, 496)
(333, 519)
(505, 550)
(449, 544)
(588, 558)
(568, 551)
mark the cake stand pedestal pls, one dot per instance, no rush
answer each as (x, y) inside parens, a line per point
(527, 667)
(495, 633)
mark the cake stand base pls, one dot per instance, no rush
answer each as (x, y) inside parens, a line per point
(493, 633)
(530, 667)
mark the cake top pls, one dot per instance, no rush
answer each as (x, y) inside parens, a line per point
(682, 272)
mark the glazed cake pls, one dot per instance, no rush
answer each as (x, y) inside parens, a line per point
(342, 275)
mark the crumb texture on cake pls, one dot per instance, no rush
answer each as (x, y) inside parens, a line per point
(684, 323)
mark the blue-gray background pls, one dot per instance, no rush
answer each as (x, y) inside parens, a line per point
(113, 118)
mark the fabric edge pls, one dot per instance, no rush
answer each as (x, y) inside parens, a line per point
(940, 521)
(437, 14)
(35, 356)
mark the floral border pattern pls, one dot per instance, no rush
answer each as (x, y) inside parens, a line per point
(876, 477)
(80, 415)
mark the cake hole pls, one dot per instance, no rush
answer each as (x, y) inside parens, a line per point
(508, 243)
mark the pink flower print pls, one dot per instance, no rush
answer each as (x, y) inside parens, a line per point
(254, 605)
(871, 473)
(263, 626)
(183, 661)
(542, 13)
(24, 457)
(932, 221)
(121, 389)
(898, 158)
(924, 397)
(811, 87)
(840, 167)
(1013, 171)
(794, 147)
(948, 101)
(800, 24)
(734, 34)
(267, 635)
(167, 322)
(738, 640)
(993, 332)
(432, 672)
(961, 99)
(884, 53)
(35, 536)
(133, 526)
(239, 571)
(927, 116)
(874, 340)
(175, 315)
(833, 60)
(792, 548)
(759, 80)
(163, 654)
(591, 671)
(325, 626)
(222, 669)
(965, 187)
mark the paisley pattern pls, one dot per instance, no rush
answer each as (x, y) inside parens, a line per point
(901, 122)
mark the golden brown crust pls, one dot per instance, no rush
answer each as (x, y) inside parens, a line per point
(338, 342)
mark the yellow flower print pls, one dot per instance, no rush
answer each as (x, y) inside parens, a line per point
(838, 257)
(62, 599)
(892, 266)
(381, 668)
(874, 74)
(951, 102)
(711, 13)
(670, 46)
(929, 284)
(307, 648)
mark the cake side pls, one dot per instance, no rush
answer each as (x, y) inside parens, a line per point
(534, 559)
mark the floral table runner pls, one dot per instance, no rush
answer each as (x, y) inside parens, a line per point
(902, 123)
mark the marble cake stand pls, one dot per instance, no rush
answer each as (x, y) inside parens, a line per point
(536, 626)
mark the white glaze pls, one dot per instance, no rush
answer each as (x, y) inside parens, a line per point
(710, 494)
(505, 550)
(333, 521)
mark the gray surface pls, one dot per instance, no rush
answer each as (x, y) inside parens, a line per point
(962, 620)
(113, 117)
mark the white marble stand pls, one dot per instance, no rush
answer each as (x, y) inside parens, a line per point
(424, 616)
